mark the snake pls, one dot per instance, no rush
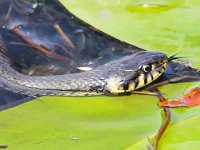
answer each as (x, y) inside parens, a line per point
(118, 76)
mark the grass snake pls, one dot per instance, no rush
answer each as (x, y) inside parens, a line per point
(118, 76)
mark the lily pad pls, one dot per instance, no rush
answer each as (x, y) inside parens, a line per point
(115, 122)
(79, 123)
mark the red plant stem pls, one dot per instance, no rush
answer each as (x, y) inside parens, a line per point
(163, 127)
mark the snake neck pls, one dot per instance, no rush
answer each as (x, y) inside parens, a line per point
(77, 84)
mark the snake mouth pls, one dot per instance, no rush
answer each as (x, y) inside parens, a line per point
(142, 79)
(146, 78)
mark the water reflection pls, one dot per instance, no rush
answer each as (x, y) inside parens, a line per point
(151, 6)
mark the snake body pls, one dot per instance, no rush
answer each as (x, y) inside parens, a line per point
(118, 76)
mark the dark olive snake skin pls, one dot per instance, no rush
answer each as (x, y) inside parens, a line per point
(114, 77)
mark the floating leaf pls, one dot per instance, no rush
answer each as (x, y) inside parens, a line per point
(191, 99)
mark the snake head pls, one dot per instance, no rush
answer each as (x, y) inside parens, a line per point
(136, 71)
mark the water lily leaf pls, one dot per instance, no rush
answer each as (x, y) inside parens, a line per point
(79, 123)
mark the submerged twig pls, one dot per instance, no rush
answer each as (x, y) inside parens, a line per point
(18, 44)
(8, 13)
(64, 36)
(71, 54)
(40, 48)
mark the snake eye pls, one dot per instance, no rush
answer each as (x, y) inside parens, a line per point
(146, 68)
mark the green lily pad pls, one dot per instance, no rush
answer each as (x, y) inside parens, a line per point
(77, 123)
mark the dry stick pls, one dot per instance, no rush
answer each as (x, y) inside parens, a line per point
(64, 36)
(19, 44)
(163, 127)
(8, 13)
(40, 48)
(62, 47)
